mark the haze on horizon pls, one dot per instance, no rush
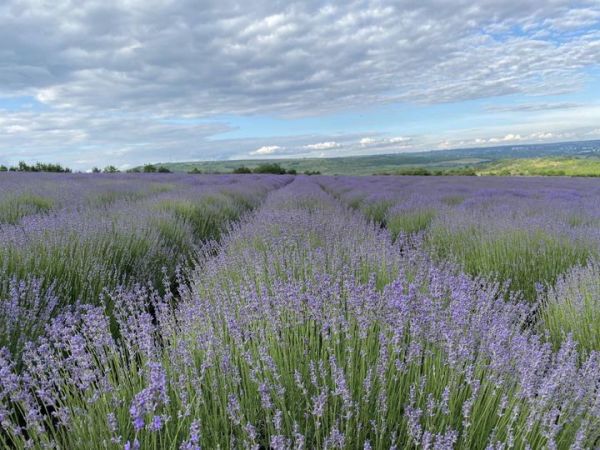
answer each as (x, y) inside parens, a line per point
(127, 82)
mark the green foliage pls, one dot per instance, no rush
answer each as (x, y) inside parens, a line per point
(110, 169)
(518, 257)
(273, 168)
(3, 168)
(408, 222)
(416, 171)
(195, 171)
(573, 307)
(39, 167)
(109, 197)
(460, 171)
(14, 208)
(163, 169)
(149, 168)
(377, 211)
(83, 269)
(242, 169)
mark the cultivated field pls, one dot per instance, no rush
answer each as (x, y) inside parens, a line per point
(272, 311)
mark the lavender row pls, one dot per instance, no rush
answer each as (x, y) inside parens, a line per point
(525, 231)
(141, 231)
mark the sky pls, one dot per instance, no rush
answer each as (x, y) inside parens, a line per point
(128, 82)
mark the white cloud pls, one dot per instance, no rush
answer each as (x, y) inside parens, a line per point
(323, 145)
(507, 138)
(367, 141)
(398, 140)
(266, 150)
(542, 135)
(384, 142)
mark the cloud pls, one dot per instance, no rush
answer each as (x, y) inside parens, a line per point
(266, 150)
(108, 73)
(508, 138)
(365, 142)
(290, 58)
(323, 145)
(398, 141)
(532, 107)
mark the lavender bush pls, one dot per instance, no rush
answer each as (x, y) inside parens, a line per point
(307, 326)
(572, 307)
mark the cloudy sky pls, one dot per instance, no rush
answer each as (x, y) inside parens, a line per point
(125, 82)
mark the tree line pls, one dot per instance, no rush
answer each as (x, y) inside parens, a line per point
(272, 168)
(37, 167)
(148, 168)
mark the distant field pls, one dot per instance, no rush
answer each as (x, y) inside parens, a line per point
(479, 159)
(574, 167)
(363, 165)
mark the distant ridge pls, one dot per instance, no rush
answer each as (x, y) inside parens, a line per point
(388, 163)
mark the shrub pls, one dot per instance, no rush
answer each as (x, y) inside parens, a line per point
(273, 168)
(242, 169)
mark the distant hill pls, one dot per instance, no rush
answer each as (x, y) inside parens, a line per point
(433, 160)
(549, 166)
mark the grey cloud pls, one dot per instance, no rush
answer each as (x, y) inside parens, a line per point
(288, 58)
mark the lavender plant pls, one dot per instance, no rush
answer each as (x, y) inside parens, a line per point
(572, 307)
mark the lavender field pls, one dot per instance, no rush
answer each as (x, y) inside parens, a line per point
(168, 311)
